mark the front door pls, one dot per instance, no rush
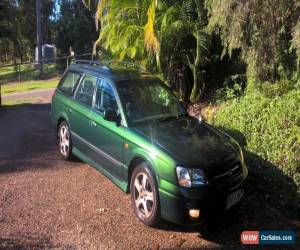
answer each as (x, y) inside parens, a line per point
(107, 136)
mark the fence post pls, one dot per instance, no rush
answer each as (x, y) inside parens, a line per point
(19, 71)
(67, 61)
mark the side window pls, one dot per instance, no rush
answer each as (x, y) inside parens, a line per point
(85, 91)
(105, 97)
(69, 82)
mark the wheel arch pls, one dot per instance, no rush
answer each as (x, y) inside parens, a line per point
(135, 161)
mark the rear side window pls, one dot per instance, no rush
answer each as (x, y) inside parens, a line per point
(85, 91)
(69, 82)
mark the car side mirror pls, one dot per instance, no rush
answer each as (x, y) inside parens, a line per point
(112, 116)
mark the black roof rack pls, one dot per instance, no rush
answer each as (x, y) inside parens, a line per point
(126, 64)
(111, 63)
(90, 62)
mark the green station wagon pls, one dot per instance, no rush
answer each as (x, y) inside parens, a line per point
(130, 126)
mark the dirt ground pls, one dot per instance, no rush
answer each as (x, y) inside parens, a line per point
(48, 203)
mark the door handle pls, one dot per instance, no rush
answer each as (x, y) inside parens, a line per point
(70, 110)
(93, 124)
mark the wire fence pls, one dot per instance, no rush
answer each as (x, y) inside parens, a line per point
(26, 71)
(19, 73)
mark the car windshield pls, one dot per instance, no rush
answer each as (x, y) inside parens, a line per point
(146, 100)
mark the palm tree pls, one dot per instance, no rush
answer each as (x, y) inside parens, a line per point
(122, 30)
(181, 37)
(159, 33)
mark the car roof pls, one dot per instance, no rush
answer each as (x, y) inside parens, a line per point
(114, 71)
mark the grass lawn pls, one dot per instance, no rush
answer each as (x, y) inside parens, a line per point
(29, 85)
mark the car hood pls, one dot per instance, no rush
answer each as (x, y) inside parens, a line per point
(191, 143)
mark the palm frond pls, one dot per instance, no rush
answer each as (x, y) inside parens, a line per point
(151, 41)
(102, 4)
(87, 3)
(187, 10)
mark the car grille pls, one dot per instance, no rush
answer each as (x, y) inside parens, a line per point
(231, 178)
(231, 171)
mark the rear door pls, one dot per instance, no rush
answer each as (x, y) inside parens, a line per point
(80, 113)
(62, 99)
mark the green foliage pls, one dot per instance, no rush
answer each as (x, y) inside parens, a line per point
(272, 90)
(184, 40)
(233, 87)
(261, 30)
(17, 28)
(271, 126)
(159, 34)
(122, 29)
(296, 40)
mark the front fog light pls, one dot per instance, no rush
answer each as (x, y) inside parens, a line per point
(194, 213)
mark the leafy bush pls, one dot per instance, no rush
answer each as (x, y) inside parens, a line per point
(271, 90)
(233, 87)
(272, 130)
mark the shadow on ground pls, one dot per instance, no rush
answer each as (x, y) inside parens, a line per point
(28, 139)
(29, 242)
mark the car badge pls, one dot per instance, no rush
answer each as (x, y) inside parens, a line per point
(230, 171)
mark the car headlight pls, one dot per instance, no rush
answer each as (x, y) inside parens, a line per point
(183, 176)
(190, 177)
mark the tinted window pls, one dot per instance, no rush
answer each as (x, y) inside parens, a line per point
(69, 82)
(86, 90)
(105, 97)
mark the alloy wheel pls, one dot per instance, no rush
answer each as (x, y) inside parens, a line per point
(143, 195)
(64, 140)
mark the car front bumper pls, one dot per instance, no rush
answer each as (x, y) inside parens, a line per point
(176, 208)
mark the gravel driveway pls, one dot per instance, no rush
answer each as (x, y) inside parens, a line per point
(46, 202)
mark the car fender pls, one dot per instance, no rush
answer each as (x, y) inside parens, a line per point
(144, 154)
(62, 116)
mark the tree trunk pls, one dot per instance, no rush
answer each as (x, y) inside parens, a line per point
(198, 87)
(39, 34)
(197, 75)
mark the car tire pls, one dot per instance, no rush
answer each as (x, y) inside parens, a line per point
(144, 195)
(64, 141)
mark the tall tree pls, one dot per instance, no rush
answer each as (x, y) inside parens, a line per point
(18, 30)
(75, 27)
(138, 30)
(39, 34)
(122, 31)
(261, 29)
(167, 35)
